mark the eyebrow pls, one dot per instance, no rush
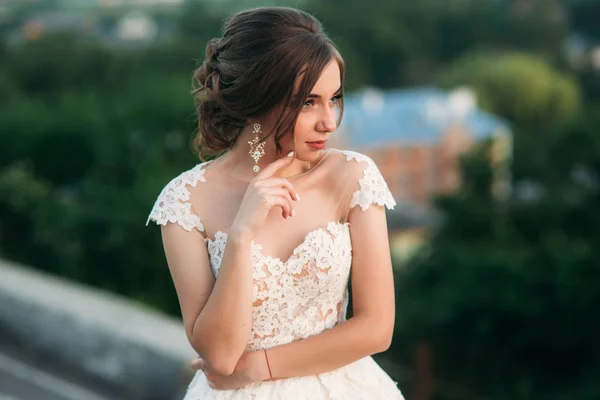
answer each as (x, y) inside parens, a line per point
(318, 96)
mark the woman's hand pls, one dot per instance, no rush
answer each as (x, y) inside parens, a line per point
(265, 192)
(251, 367)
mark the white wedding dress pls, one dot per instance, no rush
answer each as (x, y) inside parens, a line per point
(303, 291)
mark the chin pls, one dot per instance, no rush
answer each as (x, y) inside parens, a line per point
(309, 155)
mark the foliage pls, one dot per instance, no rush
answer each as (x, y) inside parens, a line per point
(84, 155)
(396, 43)
(505, 293)
(520, 87)
(584, 17)
(507, 290)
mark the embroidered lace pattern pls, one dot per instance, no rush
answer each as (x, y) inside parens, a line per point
(302, 296)
(373, 188)
(172, 204)
(294, 298)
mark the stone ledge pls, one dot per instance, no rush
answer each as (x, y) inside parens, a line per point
(136, 351)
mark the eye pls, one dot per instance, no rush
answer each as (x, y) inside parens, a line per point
(336, 99)
(308, 104)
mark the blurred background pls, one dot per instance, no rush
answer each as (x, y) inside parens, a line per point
(483, 116)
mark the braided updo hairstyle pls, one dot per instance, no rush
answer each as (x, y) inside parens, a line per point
(253, 68)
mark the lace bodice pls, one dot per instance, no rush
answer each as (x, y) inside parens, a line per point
(306, 293)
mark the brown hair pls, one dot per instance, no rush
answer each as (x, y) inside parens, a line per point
(253, 68)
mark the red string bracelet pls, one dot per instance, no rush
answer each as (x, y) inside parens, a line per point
(268, 366)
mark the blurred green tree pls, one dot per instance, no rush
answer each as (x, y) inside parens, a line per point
(517, 86)
(505, 293)
(395, 43)
(90, 134)
(86, 146)
(201, 21)
(584, 17)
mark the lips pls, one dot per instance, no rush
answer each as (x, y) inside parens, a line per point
(317, 145)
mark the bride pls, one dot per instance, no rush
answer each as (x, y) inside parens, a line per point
(262, 240)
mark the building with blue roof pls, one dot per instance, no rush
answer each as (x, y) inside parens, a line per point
(416, 137)
(374, 118)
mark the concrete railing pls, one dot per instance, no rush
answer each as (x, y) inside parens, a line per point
(131, 350)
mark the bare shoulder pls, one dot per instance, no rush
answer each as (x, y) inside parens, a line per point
(352, 163)
(349, 155)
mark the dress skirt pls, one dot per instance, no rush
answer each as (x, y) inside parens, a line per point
(362, 380)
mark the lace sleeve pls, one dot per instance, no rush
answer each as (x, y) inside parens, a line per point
(372, 186)
(172, 205)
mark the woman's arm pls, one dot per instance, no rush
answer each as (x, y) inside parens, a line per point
(217, 315)
(370, 329)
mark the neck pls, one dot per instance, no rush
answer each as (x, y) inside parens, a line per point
(239, 164)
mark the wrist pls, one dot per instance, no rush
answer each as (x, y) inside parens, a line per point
(240, 236)
(261, 369)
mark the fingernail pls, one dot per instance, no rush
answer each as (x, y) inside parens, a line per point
(293, 212)
(291, 153)
(297, 197)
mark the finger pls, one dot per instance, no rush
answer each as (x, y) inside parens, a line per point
(280, 202)
(281, 182)
(211, 377)
(281, 192)
(198, 363)
(275, 166)
(269, 197)
(213, 382)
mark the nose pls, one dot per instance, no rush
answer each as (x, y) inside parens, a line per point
(328, 120)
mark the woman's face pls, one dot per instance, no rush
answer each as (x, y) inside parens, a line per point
(318, 118)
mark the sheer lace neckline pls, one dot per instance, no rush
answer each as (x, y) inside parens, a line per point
(257, 248)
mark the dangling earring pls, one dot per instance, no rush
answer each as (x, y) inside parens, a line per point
(308, 166)
(257, 150)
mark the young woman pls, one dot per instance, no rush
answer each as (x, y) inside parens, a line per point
(262, 240)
